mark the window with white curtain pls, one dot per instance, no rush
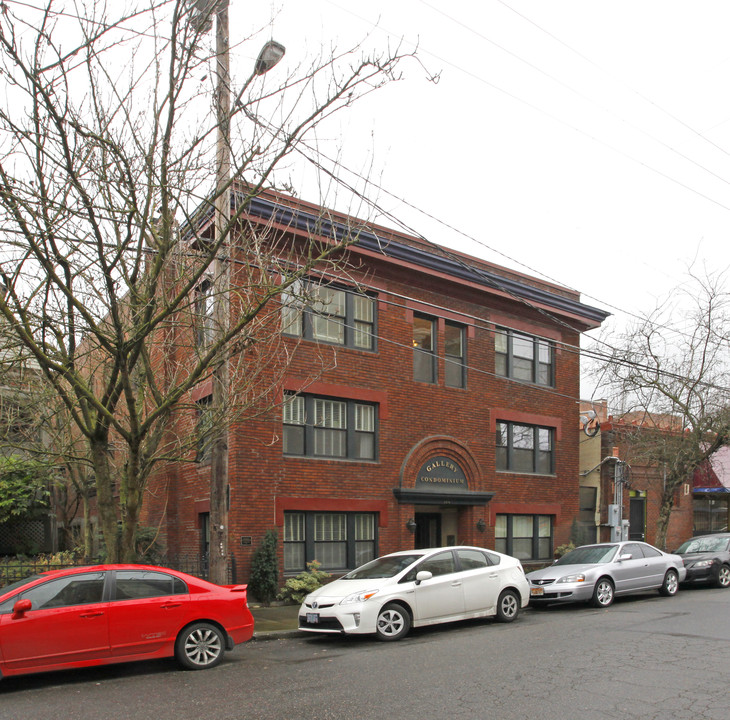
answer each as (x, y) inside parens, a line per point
(337, 541)
(329, 428)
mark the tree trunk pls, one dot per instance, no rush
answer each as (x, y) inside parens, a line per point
(107, 507)
(665, 512)
(88, 530)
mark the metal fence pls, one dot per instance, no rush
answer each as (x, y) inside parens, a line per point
(13, 569)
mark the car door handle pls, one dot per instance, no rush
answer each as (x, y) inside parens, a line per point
(169, 606)
(456, 583)
(91, 614)
(493, 575)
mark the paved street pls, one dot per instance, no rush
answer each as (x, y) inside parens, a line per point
(646, 657)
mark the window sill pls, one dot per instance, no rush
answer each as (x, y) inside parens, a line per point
(365, 351)
(526, 474)
(351, 461)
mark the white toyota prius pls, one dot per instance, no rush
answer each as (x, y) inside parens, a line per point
(412, 588)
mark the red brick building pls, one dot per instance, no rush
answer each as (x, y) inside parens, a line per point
(642, 484)
(444, 412)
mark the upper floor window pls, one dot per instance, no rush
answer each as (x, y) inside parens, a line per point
(454, 355)
(524, 357)
(329, 428)
(525, 448)
(329, 314)
(203, 428)
(204, 314)
(424, 349)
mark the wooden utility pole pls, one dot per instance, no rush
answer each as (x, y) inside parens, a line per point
(218, 561)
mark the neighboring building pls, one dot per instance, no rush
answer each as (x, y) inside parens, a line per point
(443, 412)
(711, 494)
(606, 459)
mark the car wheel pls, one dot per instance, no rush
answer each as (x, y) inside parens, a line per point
(199, 646)
(508, 606)
(393, 622)
(670, 585)
(723, 576)
(603, 593)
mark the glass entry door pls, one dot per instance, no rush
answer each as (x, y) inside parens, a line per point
(428, 530)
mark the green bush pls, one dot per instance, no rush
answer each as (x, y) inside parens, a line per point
(564, 549)
(263, 583)
(297, 588)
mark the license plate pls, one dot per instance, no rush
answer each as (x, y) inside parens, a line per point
(537, 591)
(313, 618)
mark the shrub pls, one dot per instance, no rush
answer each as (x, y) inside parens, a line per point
(297, 588)
(264, 580)
(563, 549)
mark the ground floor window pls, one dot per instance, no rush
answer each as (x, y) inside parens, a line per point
(711, 513)
(338, 541)
(526, 537)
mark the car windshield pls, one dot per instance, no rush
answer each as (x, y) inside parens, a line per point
(704, 544)
(588, 555)
(384, 567)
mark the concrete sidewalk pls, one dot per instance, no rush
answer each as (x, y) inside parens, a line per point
(275, 621)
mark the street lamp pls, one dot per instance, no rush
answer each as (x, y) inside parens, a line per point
(271, 53)
(269, 56)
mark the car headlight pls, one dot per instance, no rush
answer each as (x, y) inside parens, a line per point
(703, 563)
(578, 577)
(358, 597)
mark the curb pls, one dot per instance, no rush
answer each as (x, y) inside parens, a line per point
(276, 635)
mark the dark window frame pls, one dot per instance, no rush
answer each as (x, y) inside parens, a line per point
(308, 433)
(425, 358)
(506, 544)
(353, 327)
(203, 426)
(509, 370)
(506, 461)
(351, 541)
(204, 314)
(451, 360)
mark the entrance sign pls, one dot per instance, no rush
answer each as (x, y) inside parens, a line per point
(441, 473)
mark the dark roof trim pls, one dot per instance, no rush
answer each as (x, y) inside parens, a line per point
(309, 222)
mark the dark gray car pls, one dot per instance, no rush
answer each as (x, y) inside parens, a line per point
(707, 559)
(598, 573)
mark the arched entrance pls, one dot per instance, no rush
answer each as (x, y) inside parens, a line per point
(437, 493)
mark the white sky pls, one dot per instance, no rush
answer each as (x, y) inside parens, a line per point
(587, 142)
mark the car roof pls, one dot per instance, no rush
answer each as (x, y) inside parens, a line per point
(428, 551)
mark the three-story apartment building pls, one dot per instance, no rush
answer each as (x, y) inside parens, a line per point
(429, 398)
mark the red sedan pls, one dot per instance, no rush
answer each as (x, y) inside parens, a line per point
(84, 616)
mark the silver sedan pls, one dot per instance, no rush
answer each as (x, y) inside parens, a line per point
(598, 573)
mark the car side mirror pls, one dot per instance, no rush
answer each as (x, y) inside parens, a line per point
(22, 606)
(423, 575)
(625, 556)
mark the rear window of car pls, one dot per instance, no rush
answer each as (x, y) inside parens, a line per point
(474, 559)
(139, 584)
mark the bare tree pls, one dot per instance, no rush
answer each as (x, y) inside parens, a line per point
(106, 174)
(669, 373)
